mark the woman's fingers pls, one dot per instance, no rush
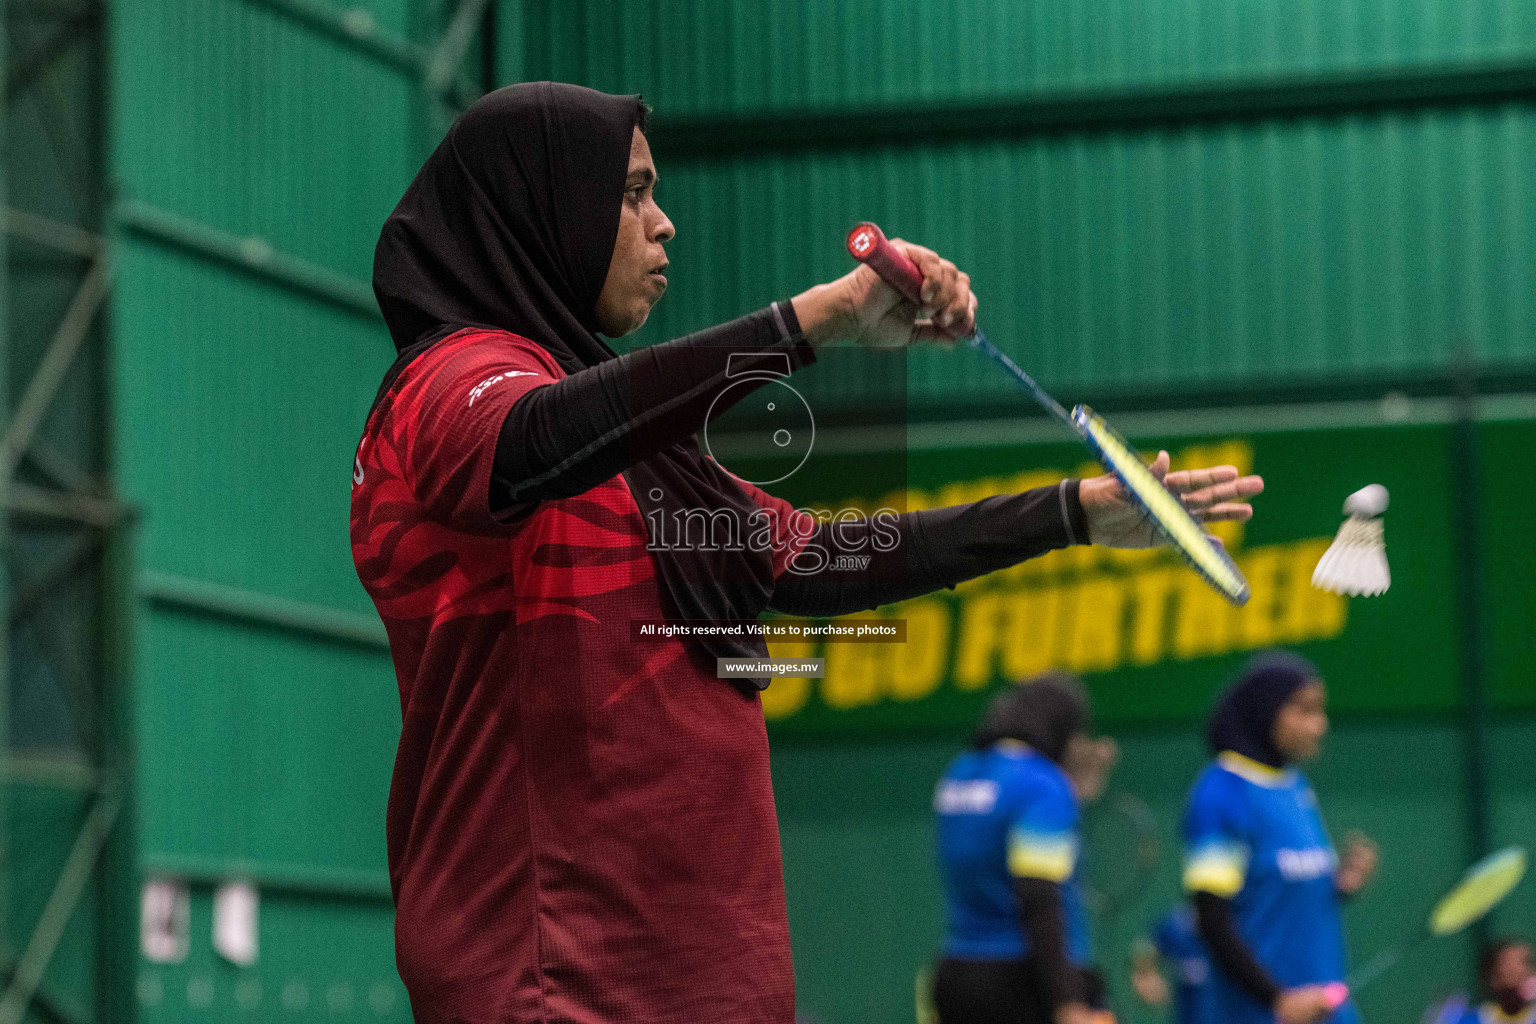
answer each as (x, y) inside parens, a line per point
(923, 332)
(946, 299)
(1238, 490)
(1187, 480)
(1227, 512)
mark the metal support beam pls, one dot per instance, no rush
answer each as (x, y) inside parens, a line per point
(74, 556)
(52, 234)
(198, 597)
(7, 872)
(58, 467)
(53, 772)
(1471, 617)
(449, 52)
(253, 255)
(70, 26)
(65, 507)
(53, 368)
(50, 1006)
(1135, 108)
(301, 880)
(356, 29)
(61, 904)
(73, 503)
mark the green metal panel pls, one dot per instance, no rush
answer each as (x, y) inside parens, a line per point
(259, 144)
(250, 740)
(333, 965)
(691, 56)
(238, 118)
(1151, 261)
(270, 391)
(1272, 249)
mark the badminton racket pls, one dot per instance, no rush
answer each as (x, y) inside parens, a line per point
(868, 244)
(1121, 853)
(1479, 891)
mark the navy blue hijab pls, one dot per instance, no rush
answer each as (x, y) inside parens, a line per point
(1244, 718)
(1044, 712)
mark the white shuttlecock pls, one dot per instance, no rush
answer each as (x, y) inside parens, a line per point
(1356, 562)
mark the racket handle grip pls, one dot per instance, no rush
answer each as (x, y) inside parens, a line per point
(1336, 993)
(868, 244)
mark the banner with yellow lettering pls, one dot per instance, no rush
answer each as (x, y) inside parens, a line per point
(1150, 639)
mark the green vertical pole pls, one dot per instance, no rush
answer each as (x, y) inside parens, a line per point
(1470, 616)
(6, 945)
(489, 27)
(426, 18)
(117, 940)
(509, 57)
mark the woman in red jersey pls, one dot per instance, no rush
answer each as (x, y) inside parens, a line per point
(581, 824)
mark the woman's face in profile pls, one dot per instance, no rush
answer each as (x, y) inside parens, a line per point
(1302, 723)
(637, 272)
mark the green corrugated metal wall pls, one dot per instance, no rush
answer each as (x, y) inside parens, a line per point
(264, 752)
(693, 56)
(1248, 254)
(1244, 256)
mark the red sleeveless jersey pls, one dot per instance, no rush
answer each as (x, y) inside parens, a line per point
(581, 826)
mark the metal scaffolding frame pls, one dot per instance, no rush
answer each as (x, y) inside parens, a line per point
(44, 488)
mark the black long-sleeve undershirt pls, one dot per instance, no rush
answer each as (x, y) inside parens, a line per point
(1213, 917)
(935, 548)
(567, 437)
(1044, 924)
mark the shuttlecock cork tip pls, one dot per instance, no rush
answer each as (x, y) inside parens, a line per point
(1368, 501)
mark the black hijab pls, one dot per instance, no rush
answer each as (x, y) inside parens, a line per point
(1244, 718)
(1044, 712)
(510, 225)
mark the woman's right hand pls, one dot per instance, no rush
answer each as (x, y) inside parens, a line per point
(1075, 1013)
(860, 307)
(1305, 1005)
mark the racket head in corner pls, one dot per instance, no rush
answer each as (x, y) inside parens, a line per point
(1485, 884)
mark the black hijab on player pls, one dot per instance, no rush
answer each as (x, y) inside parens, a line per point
(1044, 712)
(1244, 718)
(511, 225)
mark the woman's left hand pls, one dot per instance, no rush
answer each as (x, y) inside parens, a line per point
(1358, 864)
(1213, 495)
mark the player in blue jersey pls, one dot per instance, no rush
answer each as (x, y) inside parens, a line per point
(1260, 869)
(1508, 982)
(1016, 945)
(1176, 941)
